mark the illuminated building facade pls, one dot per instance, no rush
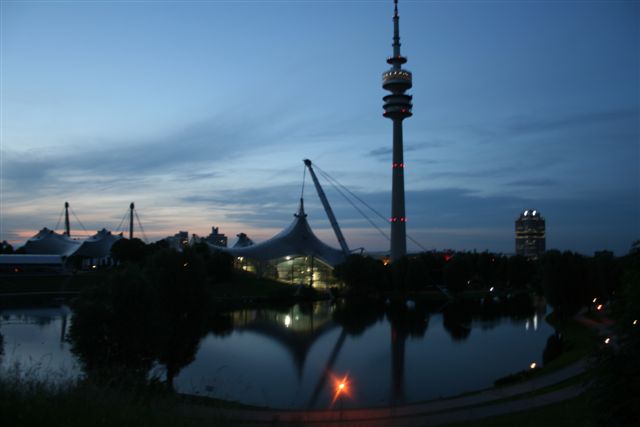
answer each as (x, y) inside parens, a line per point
(530, 234)
(397, 107)
(295, 255)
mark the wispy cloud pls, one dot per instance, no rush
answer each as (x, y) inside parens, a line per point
(533, 182)
(189, 153)
(545, 124)
(384, 153)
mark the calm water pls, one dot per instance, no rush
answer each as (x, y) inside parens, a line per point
(288, 357)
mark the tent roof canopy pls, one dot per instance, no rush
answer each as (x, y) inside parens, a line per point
(296, 240)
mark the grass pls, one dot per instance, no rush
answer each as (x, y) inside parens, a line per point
(248, 286)
(580, 341)
(33, 402)
(572, 412)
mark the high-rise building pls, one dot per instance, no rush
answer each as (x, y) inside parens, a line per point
(216, 238)
(530, 234)
(397, 107)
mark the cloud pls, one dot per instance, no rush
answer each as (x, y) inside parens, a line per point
(188, 153)
(546, 124)
(384, 153)
(533, 182)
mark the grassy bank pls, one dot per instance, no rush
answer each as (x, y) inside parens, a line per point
(33, 403)
(573, 412)
(579, 342)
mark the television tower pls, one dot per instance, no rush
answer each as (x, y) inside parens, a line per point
(397, 107)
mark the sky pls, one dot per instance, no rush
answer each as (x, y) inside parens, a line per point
(201, 113)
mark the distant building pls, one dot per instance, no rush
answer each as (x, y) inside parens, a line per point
(21, 264)
(530, 234)
(243, 241)
(216, 238)
(178, 241)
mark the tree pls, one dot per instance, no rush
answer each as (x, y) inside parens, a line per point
(362, 274)
(6, 248)
(520, 271)
(218, 264)
(615, 389)
(457, 272)
(178, 279)
(129, 250)
(409, 273)
(564, 278)
(116, 328)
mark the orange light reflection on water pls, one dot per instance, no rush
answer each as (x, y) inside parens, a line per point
(341, 386)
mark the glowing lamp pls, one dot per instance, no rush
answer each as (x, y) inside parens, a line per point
(533, 365)
(599, 307)
(607, 340)
(341, 386)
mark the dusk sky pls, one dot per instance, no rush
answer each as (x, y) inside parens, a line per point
(201, 113)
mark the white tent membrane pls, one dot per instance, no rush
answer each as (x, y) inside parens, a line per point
(98, 245)
(48, 242)
(296, 240)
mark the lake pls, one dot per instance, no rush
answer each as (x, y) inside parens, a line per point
(295, 356)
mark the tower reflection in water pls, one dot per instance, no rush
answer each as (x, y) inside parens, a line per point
(299, 327)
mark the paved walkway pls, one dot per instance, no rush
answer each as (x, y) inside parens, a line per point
(436, 412)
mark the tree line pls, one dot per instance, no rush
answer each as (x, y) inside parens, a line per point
(568, 279)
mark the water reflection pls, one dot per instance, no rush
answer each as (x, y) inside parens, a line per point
(392, 351)
(296, 328)
(33, 341)
(406, 319)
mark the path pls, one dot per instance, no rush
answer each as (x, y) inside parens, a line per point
(470, 407)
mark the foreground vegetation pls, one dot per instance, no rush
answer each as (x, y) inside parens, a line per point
(573, 412)
(30, 402)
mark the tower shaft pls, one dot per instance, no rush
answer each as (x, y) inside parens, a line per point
(398, 218)
(397, 107)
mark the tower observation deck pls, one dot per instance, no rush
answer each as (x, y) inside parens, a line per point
(397, 107)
